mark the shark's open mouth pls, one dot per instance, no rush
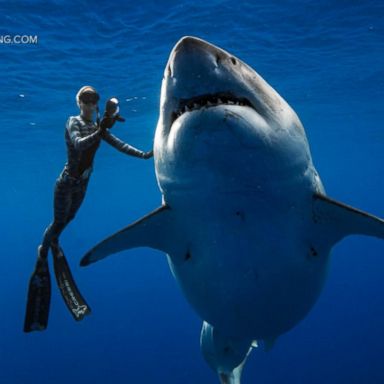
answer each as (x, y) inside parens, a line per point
(207, 101)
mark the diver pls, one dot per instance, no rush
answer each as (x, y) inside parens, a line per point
(83, 136)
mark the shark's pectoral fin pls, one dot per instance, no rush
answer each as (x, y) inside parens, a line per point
(153, 230)
(340, 220)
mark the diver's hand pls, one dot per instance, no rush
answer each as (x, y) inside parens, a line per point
(119, 118)
(107, 122)
(147, 155)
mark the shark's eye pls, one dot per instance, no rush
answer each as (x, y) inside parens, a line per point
(234, 61)
(217, 59)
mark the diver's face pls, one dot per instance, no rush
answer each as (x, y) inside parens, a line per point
(88, 102)
(88, 107)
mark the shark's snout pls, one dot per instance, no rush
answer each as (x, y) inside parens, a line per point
(190, 43)
(194, 45)
(199, 74)
(193, 53)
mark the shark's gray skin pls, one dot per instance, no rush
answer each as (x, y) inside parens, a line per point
(245, 221)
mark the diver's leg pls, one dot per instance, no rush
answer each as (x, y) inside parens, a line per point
(39, 289)
(68, 288)
(62, 203)
(68, 200)
(77, 199)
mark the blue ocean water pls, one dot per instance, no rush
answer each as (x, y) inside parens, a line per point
(325, 58)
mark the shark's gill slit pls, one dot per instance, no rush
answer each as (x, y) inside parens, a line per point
(313, 252)
(241, 215)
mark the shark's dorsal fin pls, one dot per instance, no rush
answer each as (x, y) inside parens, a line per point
(153, 230)
(341, 220)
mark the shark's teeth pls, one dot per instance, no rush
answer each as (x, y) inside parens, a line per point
(210, 100)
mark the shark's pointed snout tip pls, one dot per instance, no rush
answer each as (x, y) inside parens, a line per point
(188, 39)
(187, 42)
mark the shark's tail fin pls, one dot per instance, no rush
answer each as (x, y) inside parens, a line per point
(339, 220)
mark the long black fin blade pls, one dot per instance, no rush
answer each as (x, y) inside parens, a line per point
(75, 302)
(39, 298)
(156, 230)
(341, 220)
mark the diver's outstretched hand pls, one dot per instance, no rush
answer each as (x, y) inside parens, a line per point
(107, 122)
(148, 155)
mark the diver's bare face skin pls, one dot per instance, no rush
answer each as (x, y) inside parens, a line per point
(88, 109)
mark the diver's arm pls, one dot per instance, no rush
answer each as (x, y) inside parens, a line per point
(81, 143)
(124, 147)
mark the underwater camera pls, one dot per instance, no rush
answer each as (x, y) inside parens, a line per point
(111, 114)
(112, 107)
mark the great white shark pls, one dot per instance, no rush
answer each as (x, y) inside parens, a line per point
(244, 221)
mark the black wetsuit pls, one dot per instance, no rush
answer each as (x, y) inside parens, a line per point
(83, 139)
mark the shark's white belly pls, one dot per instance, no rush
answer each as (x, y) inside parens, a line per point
(252, 267)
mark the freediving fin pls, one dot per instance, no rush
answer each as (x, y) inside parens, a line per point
(68, 289)
(39, 298)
